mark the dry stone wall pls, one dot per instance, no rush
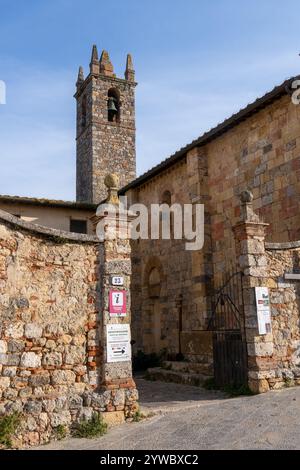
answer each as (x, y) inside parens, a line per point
(52, 341)
(285, 308)
(273, 353)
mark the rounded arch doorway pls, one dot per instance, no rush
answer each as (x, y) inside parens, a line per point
(154, 341)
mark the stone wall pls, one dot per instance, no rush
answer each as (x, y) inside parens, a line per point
(285, 308)
(178, 301)
(52, 335)
(273, 355)
(260, 154)
(157, 312)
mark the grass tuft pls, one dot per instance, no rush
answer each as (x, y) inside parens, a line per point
(60, 432)
(8, 427)
(138, 416)
(94, 427)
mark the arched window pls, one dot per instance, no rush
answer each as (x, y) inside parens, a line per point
(113, 105)
(83, 111)
(154, 283)
(166, 198)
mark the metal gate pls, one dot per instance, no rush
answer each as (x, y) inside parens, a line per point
(227, 324)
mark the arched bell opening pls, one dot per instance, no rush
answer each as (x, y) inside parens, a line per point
(113, 105)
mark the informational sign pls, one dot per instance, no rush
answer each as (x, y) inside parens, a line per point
(263, 310)
(117, 303)
(118, 343)
(117, 281)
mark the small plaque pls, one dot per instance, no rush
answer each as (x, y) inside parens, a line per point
(117, 281)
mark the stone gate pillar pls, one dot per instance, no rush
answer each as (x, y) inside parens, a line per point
(250, 250)
(115, 261)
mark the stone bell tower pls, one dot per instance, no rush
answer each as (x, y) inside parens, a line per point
(105, 134)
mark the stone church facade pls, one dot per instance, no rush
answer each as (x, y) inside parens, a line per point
(257, 150)
(173, 290)
(198, 309)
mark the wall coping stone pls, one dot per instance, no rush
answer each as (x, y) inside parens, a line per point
(47, 231)
(282, 246)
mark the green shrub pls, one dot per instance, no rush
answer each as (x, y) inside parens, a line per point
(288, 382)
(8, 427)
(60, 432)
(93, 427)
(138, 416)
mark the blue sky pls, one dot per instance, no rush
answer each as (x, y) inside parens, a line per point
(197, 62)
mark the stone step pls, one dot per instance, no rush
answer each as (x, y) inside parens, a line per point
(186, 378)
(188, 367)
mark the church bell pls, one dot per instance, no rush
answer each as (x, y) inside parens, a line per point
(112, 108)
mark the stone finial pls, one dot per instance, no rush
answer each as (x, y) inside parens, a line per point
(94, 54)
(80, 78)
(111, 181)
(129, 72)
(246, 197)
(94, 64)
(106, 66)
(247, 212)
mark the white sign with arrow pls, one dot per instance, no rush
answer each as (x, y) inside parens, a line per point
(118, 343)
(263, 310)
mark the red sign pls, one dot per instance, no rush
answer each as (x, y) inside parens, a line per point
(117, 303)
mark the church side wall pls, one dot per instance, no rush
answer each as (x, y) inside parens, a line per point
(182, 276)
(261, 154)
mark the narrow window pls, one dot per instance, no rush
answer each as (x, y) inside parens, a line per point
(78, 226)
